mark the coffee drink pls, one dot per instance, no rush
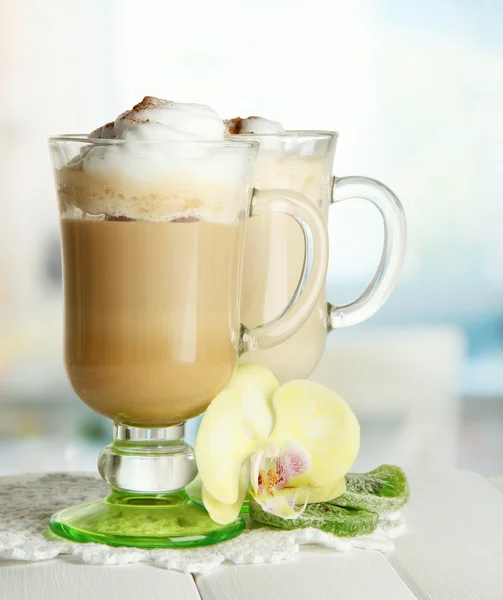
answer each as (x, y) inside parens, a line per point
(152, 253)
(302, 161)
(273, 260)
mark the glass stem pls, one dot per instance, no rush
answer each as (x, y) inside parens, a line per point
(148, 460)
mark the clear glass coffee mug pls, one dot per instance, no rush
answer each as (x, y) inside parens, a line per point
(152, 241)
(273, 258)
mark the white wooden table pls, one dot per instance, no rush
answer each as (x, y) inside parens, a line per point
(452, 550)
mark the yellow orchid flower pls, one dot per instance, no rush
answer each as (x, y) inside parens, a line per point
(287, 446)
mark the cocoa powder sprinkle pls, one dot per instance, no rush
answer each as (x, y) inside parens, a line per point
(235, 125)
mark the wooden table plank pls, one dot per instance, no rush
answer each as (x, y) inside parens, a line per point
(314, 575)
(453, 547)
(62, 579)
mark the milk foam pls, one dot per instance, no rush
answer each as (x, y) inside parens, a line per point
(139, 167)
(255, 125)
(307, 175)
(156, 119)
(286, 160)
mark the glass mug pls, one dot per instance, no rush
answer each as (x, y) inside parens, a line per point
(152, 243)
(273, 258)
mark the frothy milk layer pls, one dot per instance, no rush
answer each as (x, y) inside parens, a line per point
(287, 161)
(307, 175)
(157, 119)
(139, 167)
(183, 193)
(256, 125)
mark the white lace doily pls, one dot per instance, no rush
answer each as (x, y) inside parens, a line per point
(27, 502)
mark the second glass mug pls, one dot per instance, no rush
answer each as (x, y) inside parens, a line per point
(152, 238)
(273, 258)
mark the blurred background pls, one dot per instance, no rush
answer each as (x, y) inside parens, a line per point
(415, 91)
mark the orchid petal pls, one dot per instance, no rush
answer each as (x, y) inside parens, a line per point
(222, 445)
(226, 513)
(320, 421)
(257, 385)
(237, 420)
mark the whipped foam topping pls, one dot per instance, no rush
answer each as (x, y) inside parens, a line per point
(253, 125)
(140, 177)
(163, 120)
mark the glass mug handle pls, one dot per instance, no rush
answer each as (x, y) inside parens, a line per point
(312, 278)
(393, 252)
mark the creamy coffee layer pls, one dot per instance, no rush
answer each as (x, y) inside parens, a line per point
(273, 260)
(151, 316)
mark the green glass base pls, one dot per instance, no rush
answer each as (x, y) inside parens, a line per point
(194, 492)
(143, 521)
